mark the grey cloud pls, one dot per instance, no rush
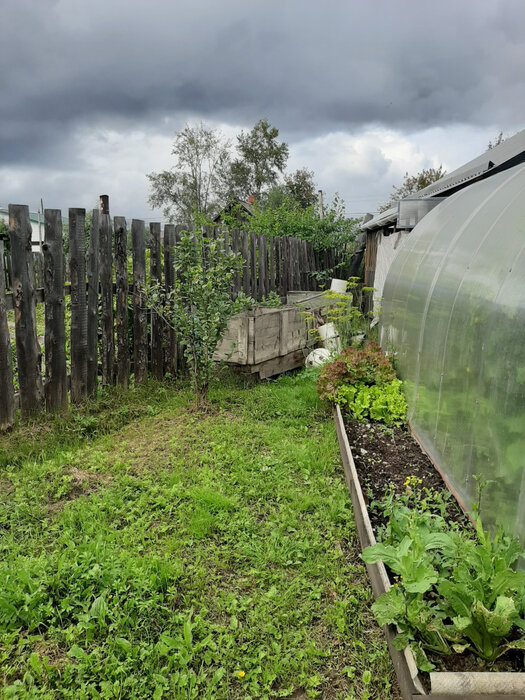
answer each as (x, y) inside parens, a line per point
(311, 67)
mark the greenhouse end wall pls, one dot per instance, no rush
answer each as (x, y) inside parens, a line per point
(453, 312)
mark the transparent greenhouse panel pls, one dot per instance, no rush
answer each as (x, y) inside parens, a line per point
(454, 313)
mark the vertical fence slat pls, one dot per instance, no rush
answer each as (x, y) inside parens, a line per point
(253, 267)
(92, 305)
(181, 359)
(122, 289)
(156, 321)
(245, 251)
(278, 266)
(27, 347)
(263, 265)
(140, 336)
(106, 287)
(77, 271)
(7, 391)
(54, 311)
(271, 265)
(38, 266)
(169, 279)
(304, 266)
(289, 263)
(237, 275)
(311, 279)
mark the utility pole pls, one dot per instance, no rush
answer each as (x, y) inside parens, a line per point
(320, 203)
(40, 215)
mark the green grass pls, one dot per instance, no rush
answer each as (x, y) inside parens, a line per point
(149, 550)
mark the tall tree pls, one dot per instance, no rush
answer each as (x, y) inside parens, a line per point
(194, 184)
(412, 184)
(261, 159)
(300, 187)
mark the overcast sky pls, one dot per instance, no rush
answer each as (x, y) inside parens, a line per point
(93, 92)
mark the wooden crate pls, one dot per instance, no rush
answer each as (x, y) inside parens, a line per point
(264, 335)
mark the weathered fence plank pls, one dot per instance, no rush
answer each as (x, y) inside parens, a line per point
(156, 320)
(140, 334)
(169, 280)
(92, 304)
(27, 348)
(106, 288)
(253, 266)
(237, 274)
(7, 391)
(54, 312)
(272, 287)
(38, 267)
(245, 251)
(262, 262)
(77, 271)
(181, 358)
(122, 289)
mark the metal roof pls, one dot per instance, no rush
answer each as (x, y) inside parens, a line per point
(509, 153)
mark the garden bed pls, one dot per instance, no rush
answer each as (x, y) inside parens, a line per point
(374, 457)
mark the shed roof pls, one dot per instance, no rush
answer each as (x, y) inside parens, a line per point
(507, 154)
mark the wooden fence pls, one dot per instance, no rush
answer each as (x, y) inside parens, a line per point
(111, 333)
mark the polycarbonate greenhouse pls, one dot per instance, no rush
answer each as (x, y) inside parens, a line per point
(453, 311)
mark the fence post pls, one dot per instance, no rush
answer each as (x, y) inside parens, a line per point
(253, 266)
(245, 251)
(156, 320)
(27, 348)
(140, 336)
(7, 391)
(92, 305)
(106, 287)
(263, 265)
(169, 280)
(237, 274)
(54, 310)
(122, 288)
(77, 271)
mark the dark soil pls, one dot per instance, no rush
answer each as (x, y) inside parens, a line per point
(385, 457)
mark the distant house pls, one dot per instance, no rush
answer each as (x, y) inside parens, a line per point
(37, 225)
(243, 211)
(385, 231)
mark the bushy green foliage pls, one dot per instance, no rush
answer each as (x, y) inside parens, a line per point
(368, 365)
(455, 589)
(200, 303)
(346, 314)
(362, 381)
(334, 230)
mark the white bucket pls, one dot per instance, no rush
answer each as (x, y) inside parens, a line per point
(329, 337)
(338, 286)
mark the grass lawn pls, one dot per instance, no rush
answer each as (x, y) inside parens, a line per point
(148, 550)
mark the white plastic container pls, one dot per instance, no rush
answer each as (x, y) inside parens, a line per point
(338, 286)
(329, 338)
(318, 357)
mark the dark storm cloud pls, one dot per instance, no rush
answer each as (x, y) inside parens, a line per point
(309, 66)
